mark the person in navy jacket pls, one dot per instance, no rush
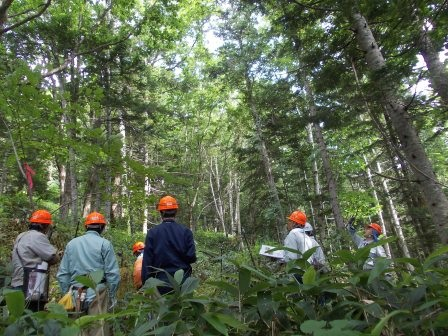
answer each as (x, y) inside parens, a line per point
(169, 246)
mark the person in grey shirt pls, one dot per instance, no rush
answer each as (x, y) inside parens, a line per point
(31, 250)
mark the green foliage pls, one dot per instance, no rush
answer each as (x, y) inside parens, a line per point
(253, 301)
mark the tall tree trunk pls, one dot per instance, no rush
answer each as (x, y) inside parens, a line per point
(377, 201)
(125, 193)
(331, 182)
(316, 203)
(217, 197)
(414, 152)
(75, 82)
(237, 212)
(395, 219)
(147, 191)
(230, 189)
(281, 230)
(108, 171)
(4, 171)
(438, 75)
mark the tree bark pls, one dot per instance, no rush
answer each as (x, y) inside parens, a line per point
(217, 198)
(281, 230)
(414, 152)
(317, 207)
(377, 200)
(395, 219)
(438, 75)
(331, 182)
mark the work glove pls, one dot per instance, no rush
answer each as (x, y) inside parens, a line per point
(375, 235)
(350, 226)
(113, 304)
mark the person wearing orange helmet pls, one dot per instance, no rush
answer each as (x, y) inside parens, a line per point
(169, 246)
(371, 234)
(137, 250)
(84, 255)
(31, 255)
(297, 239)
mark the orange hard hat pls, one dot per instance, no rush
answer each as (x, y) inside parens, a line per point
(95, 218)
(41, 217)
(167, 203)
(298, 217)
(138, 246)
(376, 227)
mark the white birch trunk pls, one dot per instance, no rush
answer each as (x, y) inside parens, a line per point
(214, 178)
(377, 201)
(147, 193)
(395, 219)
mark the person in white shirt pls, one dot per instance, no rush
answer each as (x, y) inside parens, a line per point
(297, 239)
(371, 234)
(319, 261)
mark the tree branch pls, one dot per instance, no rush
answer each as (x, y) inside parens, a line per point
(27, 19)
(3, 9)
(70, 59)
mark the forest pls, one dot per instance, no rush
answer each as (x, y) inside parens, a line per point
(245, 111)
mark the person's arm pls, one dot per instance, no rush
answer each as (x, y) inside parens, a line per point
(190, 248)
(138, 273)
(43, 248)
(147, 257)
(64, 275)
(290, 242)
(111, 269)
(357, 239)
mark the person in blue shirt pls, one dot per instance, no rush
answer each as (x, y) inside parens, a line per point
(169, 246)
(83, 255)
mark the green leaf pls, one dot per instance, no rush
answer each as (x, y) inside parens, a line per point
(312, 325)
(225, 286)
(86, 281)
(309, 277)
(15, 301)
(415, 295)
(215, 322)
(97, 276)
(231, 321)
(257, 272)
(244, 280)
(179, 276)
(435, 256)
(143, 328)
(265, 305)
(189, 285)
(381, 264)
(165, 330)
(380, 325)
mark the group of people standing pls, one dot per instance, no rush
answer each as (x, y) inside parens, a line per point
(301, 238)
(168, 248)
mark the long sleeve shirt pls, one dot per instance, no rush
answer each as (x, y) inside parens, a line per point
(86, 254)
(375, 252)
(30, 249)
(168, 246)
(298, 240)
